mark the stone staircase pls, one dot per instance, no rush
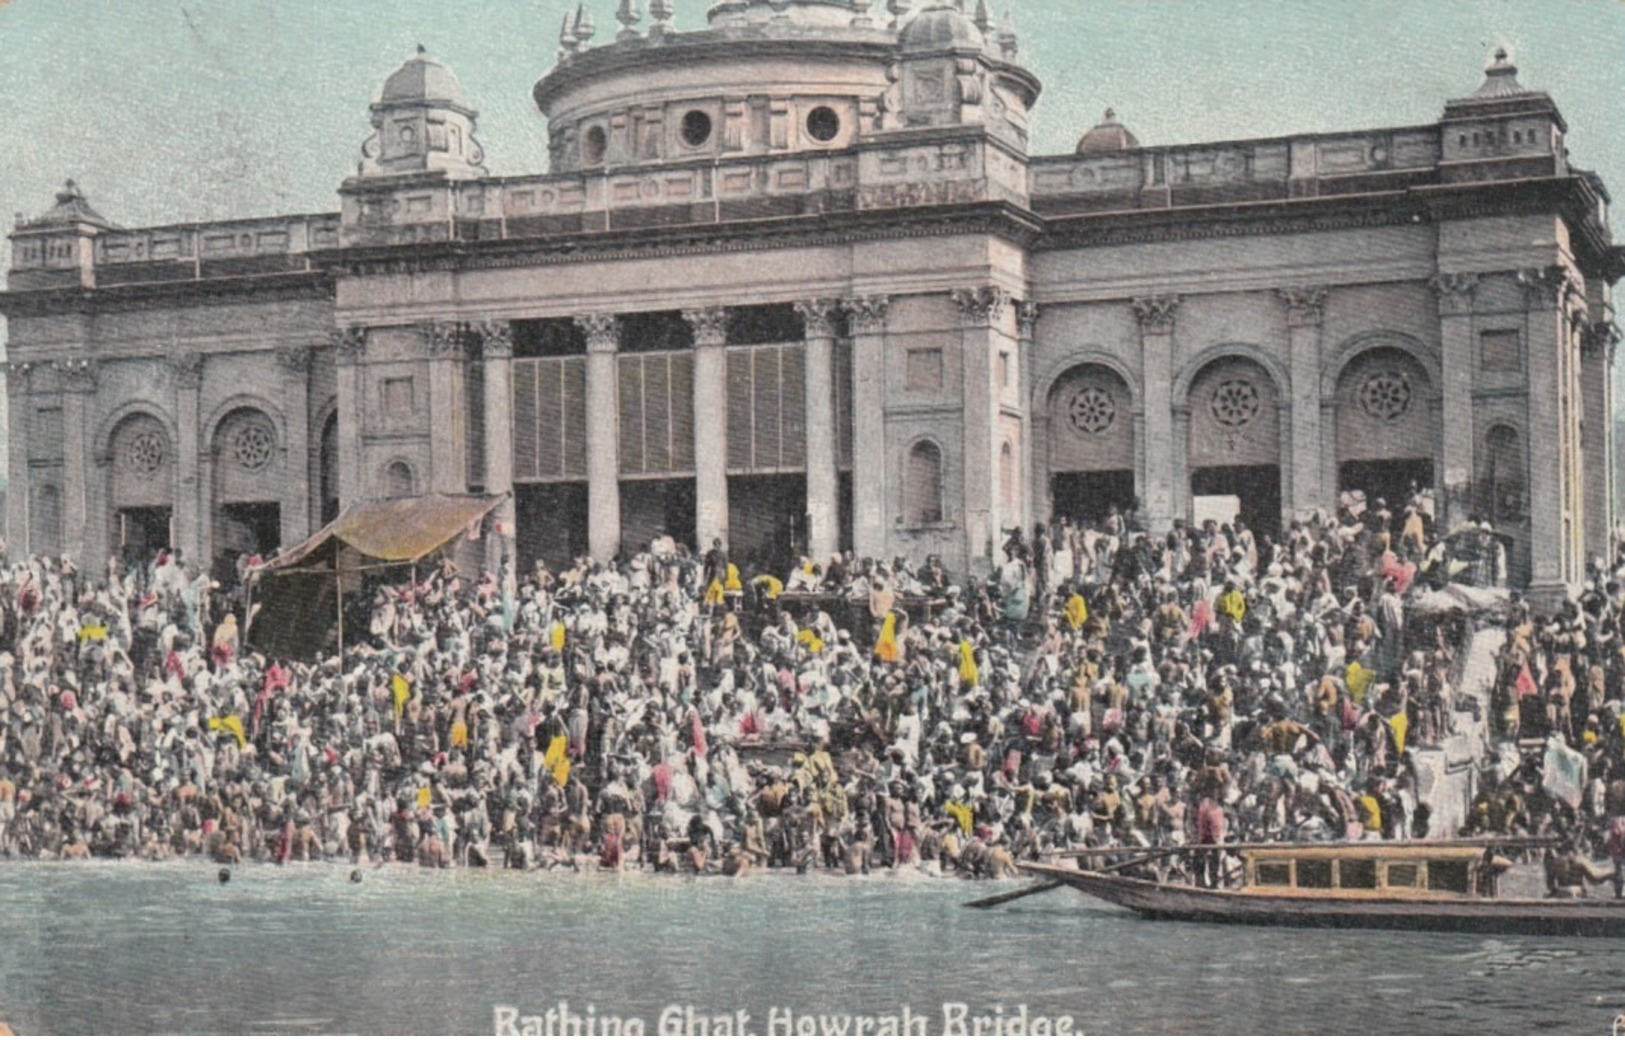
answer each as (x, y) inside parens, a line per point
(1447, 776)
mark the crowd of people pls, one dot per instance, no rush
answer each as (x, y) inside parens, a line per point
(1104, 687)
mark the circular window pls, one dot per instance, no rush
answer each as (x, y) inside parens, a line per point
(1091, 409)
(254, 443)
(145, 452)
(1386, 396)
(1235, 402)
(696, 129)
(593, 145)
(823, 124)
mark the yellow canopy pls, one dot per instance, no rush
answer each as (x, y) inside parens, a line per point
(394, 530)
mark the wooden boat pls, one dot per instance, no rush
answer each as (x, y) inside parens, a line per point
(1417, 886)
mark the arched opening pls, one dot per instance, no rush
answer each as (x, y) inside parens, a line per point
(399, 481)
(1091, 444)
(141, 487)
(329, 469)
(248, 481)
(1502, 494)
(922, 485)
(1009, 499)
(1233, 452)
(1385, 432)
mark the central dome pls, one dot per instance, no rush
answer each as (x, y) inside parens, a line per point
(940, 27)
(426, 80)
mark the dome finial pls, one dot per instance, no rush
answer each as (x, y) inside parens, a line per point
(1500, 77)
(628, 14)
(422, 49)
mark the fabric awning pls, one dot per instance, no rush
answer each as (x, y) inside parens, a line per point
(395, 530)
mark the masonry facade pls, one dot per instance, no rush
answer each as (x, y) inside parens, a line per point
(795, 281)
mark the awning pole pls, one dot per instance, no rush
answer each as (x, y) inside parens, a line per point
(338, 596)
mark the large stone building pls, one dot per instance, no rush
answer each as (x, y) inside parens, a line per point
(795, 279)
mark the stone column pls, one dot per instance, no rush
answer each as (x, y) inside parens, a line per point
(79, 526)
(982, 311)
(1597, 442)
(1457, 364)
(603, 436)
(350, 347)
(1552, 519)
(1034, 430)
(191, 510)
(1164, 487)
(18, 492)
(297, 498)
(870, 469)
(496, 344)
(447, 444)
(1303, 322)
(823, 512)
(710, 325)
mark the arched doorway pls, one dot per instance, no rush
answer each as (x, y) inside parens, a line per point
(1233, 450)
(141, 487)
(247, 485)
(1385, 428)
(1091, 444)
(1502, 492)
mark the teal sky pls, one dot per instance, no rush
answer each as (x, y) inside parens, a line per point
(180, 110)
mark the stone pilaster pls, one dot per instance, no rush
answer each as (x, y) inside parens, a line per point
(603, 333)
(1034, 430)
(191, 508)
(447, 346)
(823, 512)
(18, 492)
(298, 502)
(350, 349)
(82, 531)
(710, 325)
(982, 314)
(1597, 441)
(1304, 309)
(1554, 520)
(496, 351)
(870, 469)
(1164, 489)
(1456, 291)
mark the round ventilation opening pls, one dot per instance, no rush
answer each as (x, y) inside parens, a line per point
(823, 124)
(696, 128)
(593, 144)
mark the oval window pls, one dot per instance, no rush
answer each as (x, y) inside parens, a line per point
(823, 124)
(593, 145)
(696, 128)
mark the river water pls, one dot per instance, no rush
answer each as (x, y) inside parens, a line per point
(123, 947)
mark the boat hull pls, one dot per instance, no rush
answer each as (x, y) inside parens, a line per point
(1557, 917)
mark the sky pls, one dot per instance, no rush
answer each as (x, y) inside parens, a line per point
(169, 111)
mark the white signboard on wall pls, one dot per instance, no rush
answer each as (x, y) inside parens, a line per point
(1221, 508)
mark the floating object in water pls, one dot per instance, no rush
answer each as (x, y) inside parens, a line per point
(224, 875)
(355, 876)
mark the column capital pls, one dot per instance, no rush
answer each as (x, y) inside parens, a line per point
(1027, 313)
(188, 368)
(817, 316)
(445, 339)
(1156, 314)
(710, 325)
(496, 338)
(294, 359)
(868, 312)
(1305, 305)
(1546, 288)
(17, 376)
(982, 305)
(1456, 290)
(78, 374)
(603, 331)
(349, 343)
(1600, 337)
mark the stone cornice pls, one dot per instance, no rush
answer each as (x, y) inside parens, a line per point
(304, 285)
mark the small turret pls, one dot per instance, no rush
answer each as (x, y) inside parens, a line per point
(423, 123)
